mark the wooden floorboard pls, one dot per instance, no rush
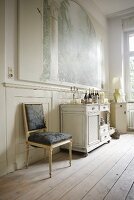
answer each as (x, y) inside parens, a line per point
(98, 173)
(121, 188)
(130, 195)
(106, 173)
(102, 188)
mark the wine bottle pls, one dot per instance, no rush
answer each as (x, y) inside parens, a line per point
(85, 97)
(93, 96)
(89, 97)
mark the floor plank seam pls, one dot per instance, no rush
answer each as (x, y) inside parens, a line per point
(90, 174)
(129, 190)
(73, 174)
(119, 178)
(106, 174)
(70, 176)
(31, 185)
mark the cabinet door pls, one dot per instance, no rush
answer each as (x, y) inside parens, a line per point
(121, 118)
(130, 116)
(93, 129)
(73, 123)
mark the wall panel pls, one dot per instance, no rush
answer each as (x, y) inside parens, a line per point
(16, 151)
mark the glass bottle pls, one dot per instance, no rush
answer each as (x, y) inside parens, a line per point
(89, 97)
(85, 97)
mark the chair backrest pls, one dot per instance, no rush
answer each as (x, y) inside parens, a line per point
(33, 117)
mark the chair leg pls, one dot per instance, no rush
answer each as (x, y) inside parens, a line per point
(50, 161)
(70, 152)
(27, 154)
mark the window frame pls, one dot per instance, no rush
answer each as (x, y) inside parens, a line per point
(127, 55)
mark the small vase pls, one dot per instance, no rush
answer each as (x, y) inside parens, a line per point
(117, 96)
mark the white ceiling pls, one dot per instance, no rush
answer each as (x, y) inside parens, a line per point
(115, 7)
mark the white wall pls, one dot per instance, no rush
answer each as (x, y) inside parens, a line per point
(2, 40)
(94, 11)
(11, 37)
(14, 92)
(3, 149)
(115, 49)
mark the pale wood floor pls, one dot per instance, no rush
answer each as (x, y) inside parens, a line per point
(106, 173)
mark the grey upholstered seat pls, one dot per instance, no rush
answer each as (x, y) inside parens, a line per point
(36, 135)
(48, 138)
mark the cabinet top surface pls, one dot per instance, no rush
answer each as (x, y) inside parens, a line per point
(116, 103)
(85, 105)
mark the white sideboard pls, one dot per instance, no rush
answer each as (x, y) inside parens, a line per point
(82, 121)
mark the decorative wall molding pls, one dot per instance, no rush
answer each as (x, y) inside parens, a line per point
(37, 86)
(128, 11)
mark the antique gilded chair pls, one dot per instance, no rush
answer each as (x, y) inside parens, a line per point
(36, 135)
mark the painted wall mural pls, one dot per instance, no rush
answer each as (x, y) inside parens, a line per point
(78, 60)
(58, 43)
(77, 45)
(46, 42)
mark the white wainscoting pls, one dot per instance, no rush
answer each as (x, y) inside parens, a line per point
(3, 153)
(15, 130)
(15, 137)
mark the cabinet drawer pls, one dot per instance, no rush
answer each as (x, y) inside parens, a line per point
(106, 133)
(93, 108)
(104, 130)
(104, 137)
(104, 107)
(121, 105)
